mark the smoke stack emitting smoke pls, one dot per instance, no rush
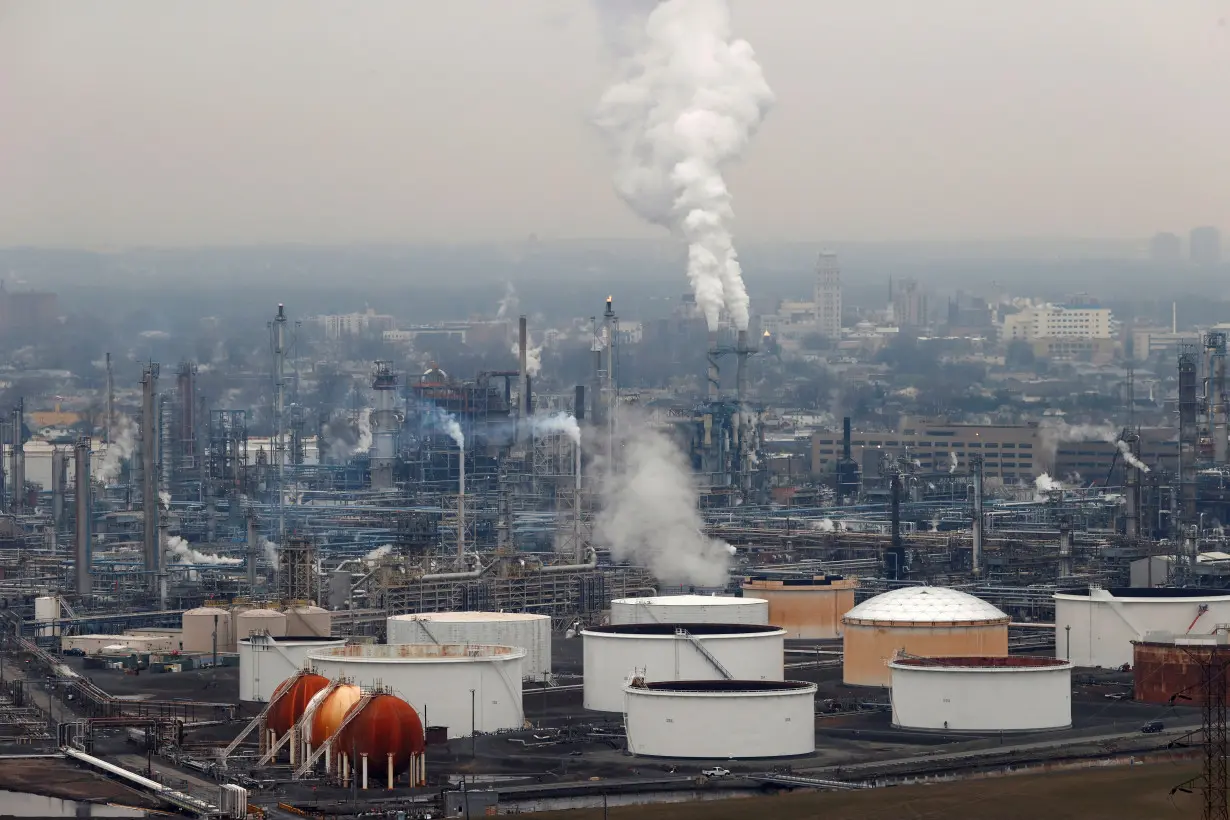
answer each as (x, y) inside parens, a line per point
(684, 105)
(123, 436)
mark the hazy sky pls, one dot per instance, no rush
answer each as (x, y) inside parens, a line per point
(219, 121)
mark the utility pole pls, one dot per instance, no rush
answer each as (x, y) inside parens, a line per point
(1213, 661)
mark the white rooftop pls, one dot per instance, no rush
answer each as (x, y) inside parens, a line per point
(926, 605)
(470, 617)
(689, 600)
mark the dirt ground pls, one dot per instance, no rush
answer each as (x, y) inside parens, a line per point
(1121, 793)
(60, 778)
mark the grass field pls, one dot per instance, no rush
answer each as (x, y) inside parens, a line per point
(1120, 793)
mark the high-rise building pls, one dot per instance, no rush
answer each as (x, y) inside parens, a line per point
(1166, 247)
(1204, 245)
(828, 296)
(909, 303)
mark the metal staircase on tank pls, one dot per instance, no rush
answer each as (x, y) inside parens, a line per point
(303, 727)
(259, 720)
(354, 712)
(700, 647)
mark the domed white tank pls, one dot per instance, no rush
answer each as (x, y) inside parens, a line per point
(199, 625)
(673, 652)
(521, 629)
(689, 609)
(454, 685)
(260, 621)
(308, 621)
(923, 621)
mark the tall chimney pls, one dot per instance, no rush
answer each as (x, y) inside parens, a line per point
(714, 377)
(845, 437)
(83, 506)
(152, 547)
(976, 551)
(523, 384)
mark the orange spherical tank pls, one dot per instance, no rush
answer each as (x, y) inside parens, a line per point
(291, 702)
(387, 725)
(330, 714)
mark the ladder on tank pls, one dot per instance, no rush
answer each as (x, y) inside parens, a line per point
(354, 712)
(700, 647)
(258, 720)
(303, 727)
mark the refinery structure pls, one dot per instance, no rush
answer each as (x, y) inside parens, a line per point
(452, 573)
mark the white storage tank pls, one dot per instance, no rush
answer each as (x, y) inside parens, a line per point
(309, 621)
(47, 610)
(615, 654)
(720, 719)
(689, 609)
(1018, 693)
(1096, 626)
(521, 629)
(198, 630)
(264, 662)
(449, 685)
(924, 621)
(259, 621)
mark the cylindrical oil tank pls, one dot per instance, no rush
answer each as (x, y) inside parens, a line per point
(309, 621)
(521, 629)
(616, 654)
(266, 661)
(1096, 626)
(1165, 666)
(387, 725)
(1017, 693)
(332, 711)
(199, 626)
(807, 608)
(289, 704)
(923, 621)
(47, 608)
(465, 687)
(689, 609)
(260, 621)
(715, 719)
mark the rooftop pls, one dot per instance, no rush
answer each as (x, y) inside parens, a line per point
(669, 629)
(926, 605)
(688, 600)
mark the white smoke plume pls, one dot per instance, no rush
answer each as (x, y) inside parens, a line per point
(1125, 450)
(1044, 484)
(686, 102)
(123, 445)
(509, 302)
(952, 462)
(364, 424)
(824, 525)
(271, 551)
(346, 438)
(164, 499)
(183, 553)
(448, 425)
(533, 355)
(1052, 432)
(557, 423)
(378, 553)
(649, 515)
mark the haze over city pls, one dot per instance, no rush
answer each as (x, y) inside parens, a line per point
(140, 122)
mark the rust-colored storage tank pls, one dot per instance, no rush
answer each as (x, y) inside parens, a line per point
(291, 701)
(1164, 668)
(807, 608)
(386, 726)
(330, 714)
(930, 622)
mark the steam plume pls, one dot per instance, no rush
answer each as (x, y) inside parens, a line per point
(183, 553)
(649, 515)
(347, 438)
(271, 551)
(378, 553)
(533, 355)
(123, 444)
(509, 302)
(952, 462)
(164, 499)
(557, 423)
(1045, 484)
(448, 425)
(684, 105)
(1125, 450)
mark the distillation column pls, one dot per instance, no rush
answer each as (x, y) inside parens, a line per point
(1215, 342)
(1188, 434)
(59, 480)
(83, 506)
(1131, 516)
(19, 457)
(976, 551)
(279, 413)
(151, 546)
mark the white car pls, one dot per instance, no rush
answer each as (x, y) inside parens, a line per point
(716, 771)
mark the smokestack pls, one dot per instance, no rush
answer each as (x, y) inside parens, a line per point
(976, 551)
(1188, 435)
(59, 480)
(845, 437)
(152, 547)
(254, 547)
(578, 404)
(523, 384)
(279, 414)
(741, 352)
(82, 503)
(109, 408)
(529, 393)
(1131, 516)
(461, 501)
(1217, 401)
(714, 378)
(19, 457)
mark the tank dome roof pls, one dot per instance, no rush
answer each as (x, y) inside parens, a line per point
(930, 605)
